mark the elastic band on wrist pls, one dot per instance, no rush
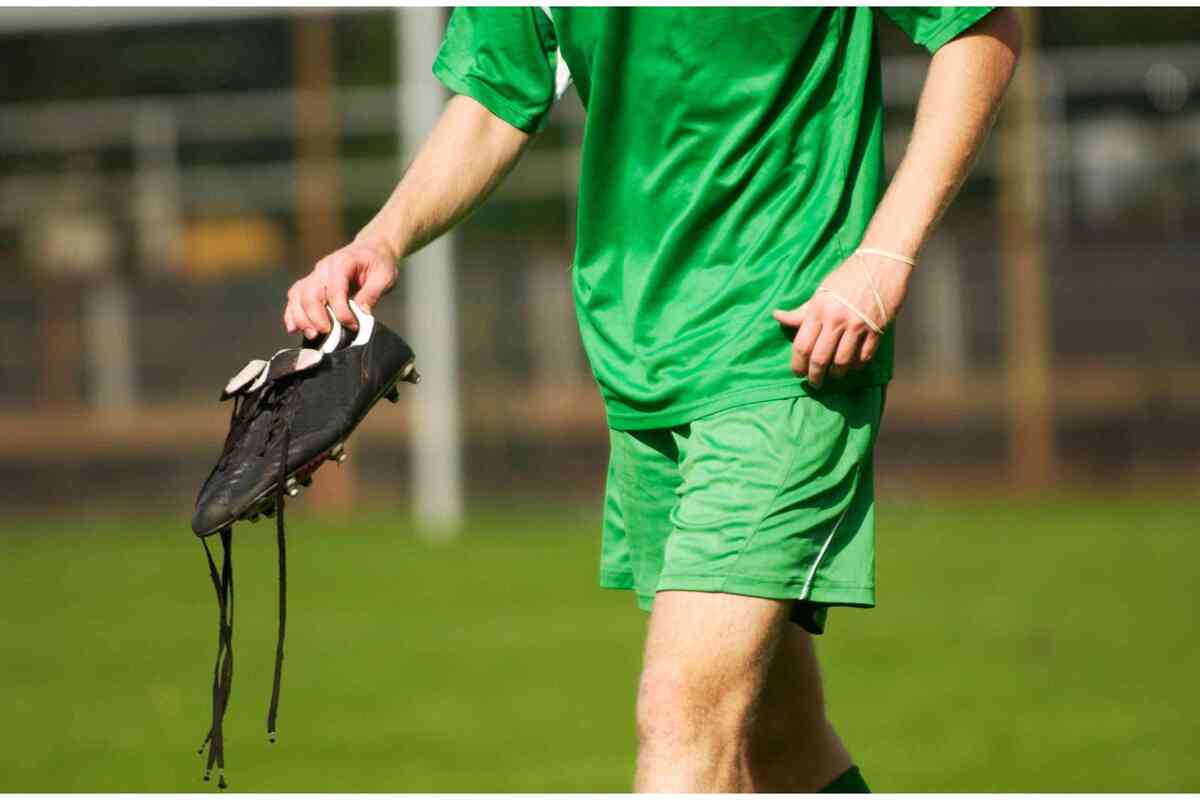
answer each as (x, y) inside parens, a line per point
(870, 323)
(871, 251)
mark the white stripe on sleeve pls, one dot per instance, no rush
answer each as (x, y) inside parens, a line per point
(562, 73)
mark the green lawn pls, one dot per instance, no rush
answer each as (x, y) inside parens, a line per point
(1035, 646)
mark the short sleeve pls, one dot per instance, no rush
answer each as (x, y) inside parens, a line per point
(504, 57)
(933, 26)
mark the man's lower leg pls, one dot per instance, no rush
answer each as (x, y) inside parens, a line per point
(793, 747)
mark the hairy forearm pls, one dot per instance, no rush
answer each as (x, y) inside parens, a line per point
(965, 84)
(465, 157)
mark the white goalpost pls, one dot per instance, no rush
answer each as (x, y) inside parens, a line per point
(429, 297)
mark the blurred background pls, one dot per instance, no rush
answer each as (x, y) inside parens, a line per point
(166, 174)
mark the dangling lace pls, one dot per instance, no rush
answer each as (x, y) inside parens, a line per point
(280, 495)
(223, 668)
(223, 585)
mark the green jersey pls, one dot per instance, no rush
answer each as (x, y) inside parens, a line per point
(732, 157)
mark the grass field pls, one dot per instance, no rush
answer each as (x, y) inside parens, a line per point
(1036, 646)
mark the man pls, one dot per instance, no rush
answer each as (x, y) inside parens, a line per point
(735, 277)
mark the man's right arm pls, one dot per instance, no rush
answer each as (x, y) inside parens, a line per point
(467, 154)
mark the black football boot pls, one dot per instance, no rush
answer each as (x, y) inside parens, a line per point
(290, 415)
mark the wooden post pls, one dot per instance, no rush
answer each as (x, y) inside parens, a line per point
(1026, 321)
(317, 192)
(318, 204)
(59, 344)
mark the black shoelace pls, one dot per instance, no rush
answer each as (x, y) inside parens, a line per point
(223, 669)
(222, 582)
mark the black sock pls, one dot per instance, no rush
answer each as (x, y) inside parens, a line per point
(849, 782)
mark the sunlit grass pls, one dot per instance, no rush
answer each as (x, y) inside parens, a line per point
(1017, 646)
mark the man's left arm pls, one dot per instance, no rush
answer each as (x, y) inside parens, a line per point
(966, 81)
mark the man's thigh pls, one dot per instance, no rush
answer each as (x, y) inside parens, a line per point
(706, 649)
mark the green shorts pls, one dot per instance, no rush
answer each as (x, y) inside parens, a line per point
(770, 499)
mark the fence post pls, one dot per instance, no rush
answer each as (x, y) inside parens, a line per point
(108, 335)
(318, 201)
(157, 207)
(1026, 323)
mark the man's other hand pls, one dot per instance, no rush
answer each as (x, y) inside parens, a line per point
(830, 338)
